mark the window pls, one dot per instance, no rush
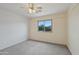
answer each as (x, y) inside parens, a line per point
(45, 25)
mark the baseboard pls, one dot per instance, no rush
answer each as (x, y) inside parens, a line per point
(12, 45)
(68, 49)
(48, 42)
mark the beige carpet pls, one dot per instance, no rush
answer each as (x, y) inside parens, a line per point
(35, 48)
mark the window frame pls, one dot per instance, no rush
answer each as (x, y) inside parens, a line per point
(44, 23)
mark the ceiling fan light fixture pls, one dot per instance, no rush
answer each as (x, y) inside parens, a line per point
(32, 8)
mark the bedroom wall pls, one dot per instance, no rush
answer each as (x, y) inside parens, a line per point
(73, 29)
(59, 29)
(13, 28)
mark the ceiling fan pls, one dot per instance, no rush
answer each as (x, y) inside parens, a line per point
(32, 8)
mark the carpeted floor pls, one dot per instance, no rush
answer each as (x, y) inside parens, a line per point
(31, 47)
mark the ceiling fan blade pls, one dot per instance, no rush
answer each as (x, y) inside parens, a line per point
(38, 11)
(39, 7)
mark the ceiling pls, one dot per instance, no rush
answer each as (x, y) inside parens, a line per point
(47, 8)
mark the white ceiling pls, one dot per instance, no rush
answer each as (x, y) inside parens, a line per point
(47, 8)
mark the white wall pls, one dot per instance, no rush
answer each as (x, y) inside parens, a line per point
(73, 29)
(13, 28)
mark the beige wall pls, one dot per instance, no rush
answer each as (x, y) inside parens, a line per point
(73, 29)
(59, 29)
